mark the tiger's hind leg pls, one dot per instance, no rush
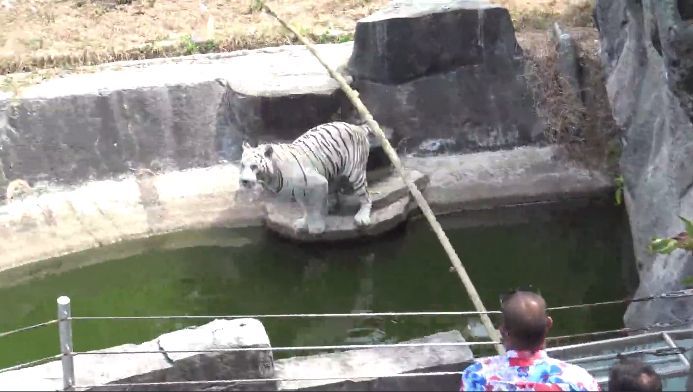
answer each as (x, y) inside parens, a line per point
(363, 216)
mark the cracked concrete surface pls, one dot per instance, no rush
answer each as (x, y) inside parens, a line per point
(100, 369)
(58, 221)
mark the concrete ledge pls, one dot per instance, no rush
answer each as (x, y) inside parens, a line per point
(375, 361)
(57, 221)
(101, 369)
(495, 179)
(168, 114)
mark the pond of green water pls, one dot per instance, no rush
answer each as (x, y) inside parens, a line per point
(575, 254)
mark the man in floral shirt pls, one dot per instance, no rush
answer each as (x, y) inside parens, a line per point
(525, 365)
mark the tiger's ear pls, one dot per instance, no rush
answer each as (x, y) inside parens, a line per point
(268, 151)
(246, 145)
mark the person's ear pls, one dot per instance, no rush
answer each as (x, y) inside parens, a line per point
(549, 323)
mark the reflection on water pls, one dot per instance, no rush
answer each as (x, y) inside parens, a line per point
(574, 255)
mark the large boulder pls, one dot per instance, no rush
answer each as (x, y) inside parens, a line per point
(445, 76)
(646, 49)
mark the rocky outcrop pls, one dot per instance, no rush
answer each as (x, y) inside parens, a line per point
(97, 370)
(379, 362)
(647, 52)
(445, 75)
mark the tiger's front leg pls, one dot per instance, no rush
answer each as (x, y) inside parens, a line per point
(315, 203)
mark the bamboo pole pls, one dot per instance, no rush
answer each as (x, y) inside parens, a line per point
(421, 201)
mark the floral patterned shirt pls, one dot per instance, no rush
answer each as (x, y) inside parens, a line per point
(526, 371)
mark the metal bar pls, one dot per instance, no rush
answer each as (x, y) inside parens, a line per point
(625, 339)
(607, 367)
(65, 332)
(30, 364)
(29, 328)
(263, 380)
(297, 348)
(297, 315)
(668, 295)
(671, 344)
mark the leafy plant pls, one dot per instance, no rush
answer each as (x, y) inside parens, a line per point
(189, 46)
(688, 282)
(683, 240)
(254, 6)
(618, 195)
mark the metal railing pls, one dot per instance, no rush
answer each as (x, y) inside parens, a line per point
(67, 353)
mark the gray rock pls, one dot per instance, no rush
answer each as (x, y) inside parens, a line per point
(658, 141)
(445, 70)
(409, 39)
(480, 108)
(391, 206)
(489, 180)
(674, 30)
(379, 361)
(99, 370)
(568, 66)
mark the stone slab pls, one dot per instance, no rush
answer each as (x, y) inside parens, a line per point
(391, 206)
(385, 191)
(448, 34)
(280, 218)
(367, 362)
(493, 179)
(101, 369)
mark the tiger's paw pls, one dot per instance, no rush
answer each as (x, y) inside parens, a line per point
(316, 227)
(362, 218)
(300, 224)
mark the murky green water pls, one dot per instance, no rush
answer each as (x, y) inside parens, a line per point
(573, 255)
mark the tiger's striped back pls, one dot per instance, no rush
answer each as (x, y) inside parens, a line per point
(334, 149)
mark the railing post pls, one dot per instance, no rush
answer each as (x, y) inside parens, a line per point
(65, 331)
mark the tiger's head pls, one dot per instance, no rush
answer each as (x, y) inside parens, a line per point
(256, 165)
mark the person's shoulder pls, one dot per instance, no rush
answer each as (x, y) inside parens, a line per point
(576, 374)
(482, 364)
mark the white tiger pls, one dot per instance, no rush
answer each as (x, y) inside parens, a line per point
(325, 160)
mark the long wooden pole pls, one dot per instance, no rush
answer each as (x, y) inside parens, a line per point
(392, 154)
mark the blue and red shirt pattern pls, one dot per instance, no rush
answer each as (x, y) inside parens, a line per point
(526, 371)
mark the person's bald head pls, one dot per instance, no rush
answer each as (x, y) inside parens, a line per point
(525, 323)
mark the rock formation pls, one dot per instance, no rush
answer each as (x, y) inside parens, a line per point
(647, 50)
(445, 75)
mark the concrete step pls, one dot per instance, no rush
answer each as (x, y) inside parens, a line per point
(391, 206)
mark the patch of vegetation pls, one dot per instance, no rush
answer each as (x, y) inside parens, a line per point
(618, 193)
(255, 6)
(541, 14)
(190, 46)
(682, 240)
(581, 121)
